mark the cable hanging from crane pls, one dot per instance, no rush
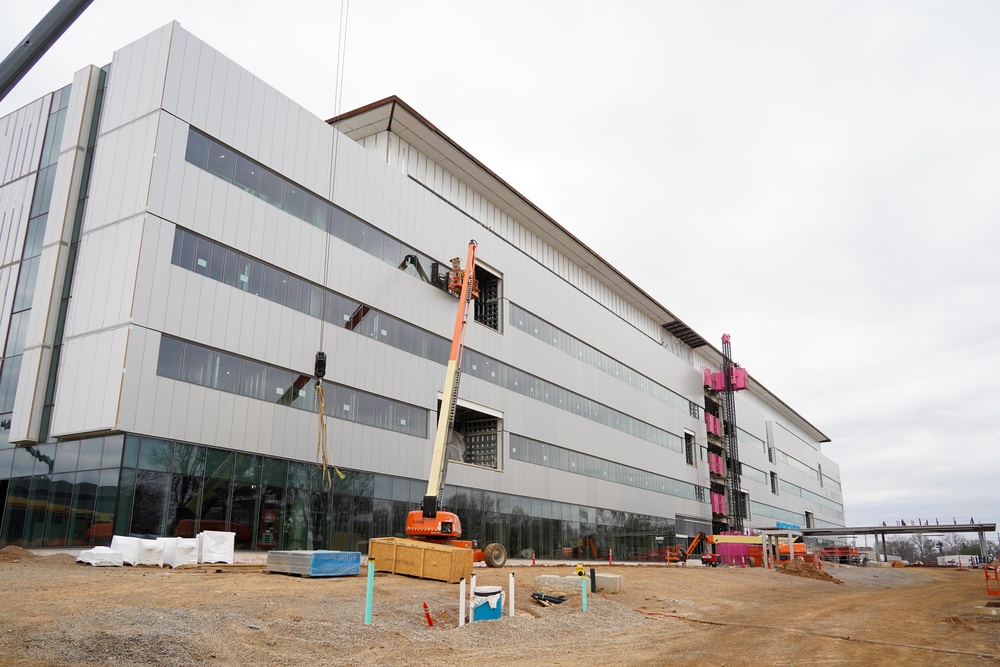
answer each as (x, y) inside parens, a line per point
(322, 440)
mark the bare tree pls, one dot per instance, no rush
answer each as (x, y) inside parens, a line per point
(954, 543)
(924, 547)
(902, 547)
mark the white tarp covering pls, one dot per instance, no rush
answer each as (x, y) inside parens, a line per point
(215, 546)
(100, 557)
(128, 547)
(149, 552)
(179, 551)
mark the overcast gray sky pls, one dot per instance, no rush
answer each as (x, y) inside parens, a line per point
(818, 180)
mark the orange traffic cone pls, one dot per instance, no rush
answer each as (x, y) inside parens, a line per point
(744, 563)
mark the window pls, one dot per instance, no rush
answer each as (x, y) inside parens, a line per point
(689, 445)
(221, 161)
(295, 200)
(247, 174)
(477, 438)
(253, 380)
(487, 310)
(356, 232)
(228, 373)
(271, 187)
(198, 365)
(317, 212)
(774, 483)
(197, 149)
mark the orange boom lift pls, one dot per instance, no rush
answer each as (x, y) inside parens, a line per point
(431, 523)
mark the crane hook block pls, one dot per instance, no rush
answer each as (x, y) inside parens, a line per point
(320, 364)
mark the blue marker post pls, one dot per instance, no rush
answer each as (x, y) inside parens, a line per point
(583, 587)
(371, 589)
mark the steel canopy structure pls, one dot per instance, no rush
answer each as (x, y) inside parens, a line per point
(979, 528)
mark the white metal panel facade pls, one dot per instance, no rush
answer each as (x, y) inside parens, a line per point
(130, 295)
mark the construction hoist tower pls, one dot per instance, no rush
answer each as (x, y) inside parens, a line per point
(729, 373)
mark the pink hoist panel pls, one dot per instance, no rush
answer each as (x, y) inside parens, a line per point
(712, 424)
(739, 378)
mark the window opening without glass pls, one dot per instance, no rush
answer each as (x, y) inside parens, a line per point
(689, 448)
(475, 438)
(488, 303)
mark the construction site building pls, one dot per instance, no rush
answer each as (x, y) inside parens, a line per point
(179, 239)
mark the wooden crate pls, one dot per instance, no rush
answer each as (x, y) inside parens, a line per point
(421, 559)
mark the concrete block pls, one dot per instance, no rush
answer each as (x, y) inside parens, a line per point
(609, 583)
(553, 584)
(987, 611)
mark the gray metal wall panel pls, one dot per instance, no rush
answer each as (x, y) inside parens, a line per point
(88, 391)
(166, 183)
(80, 113)
(216, 93)
(21, 135)
(244, 110)
(198, 89)
(223, 99)
(123, 162)
(15, 205)
(8, 283)
(105, 281)
(135, 86)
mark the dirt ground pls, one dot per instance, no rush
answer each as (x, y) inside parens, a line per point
(58, 612)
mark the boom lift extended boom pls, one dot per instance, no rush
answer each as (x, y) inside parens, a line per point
(431, 523)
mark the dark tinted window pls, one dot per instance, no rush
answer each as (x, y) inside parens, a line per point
(271, 187)
(295, 200)
(197, 149)
(248, 174)
(221, 161)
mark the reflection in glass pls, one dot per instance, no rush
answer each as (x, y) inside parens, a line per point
(247, 175)
(156, 454)
(271, 187)
(295, 200)
(221, 161)
(197, 149)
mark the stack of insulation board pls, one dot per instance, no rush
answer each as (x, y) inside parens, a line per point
(314, 563)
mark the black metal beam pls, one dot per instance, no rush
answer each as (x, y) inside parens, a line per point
(736, 507)
(38, 41)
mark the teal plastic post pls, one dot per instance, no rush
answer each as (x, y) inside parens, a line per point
(583, 587)
(371, 589)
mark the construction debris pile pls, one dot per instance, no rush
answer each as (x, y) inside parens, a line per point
(14, 554)
(807, 570)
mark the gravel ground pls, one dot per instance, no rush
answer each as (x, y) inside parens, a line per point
(70, 614)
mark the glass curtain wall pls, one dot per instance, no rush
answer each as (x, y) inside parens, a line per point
(80, 493)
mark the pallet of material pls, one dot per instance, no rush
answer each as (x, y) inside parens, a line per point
(315, 563)
(421, 559)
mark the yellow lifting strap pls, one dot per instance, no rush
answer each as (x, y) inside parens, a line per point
(322, 444)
